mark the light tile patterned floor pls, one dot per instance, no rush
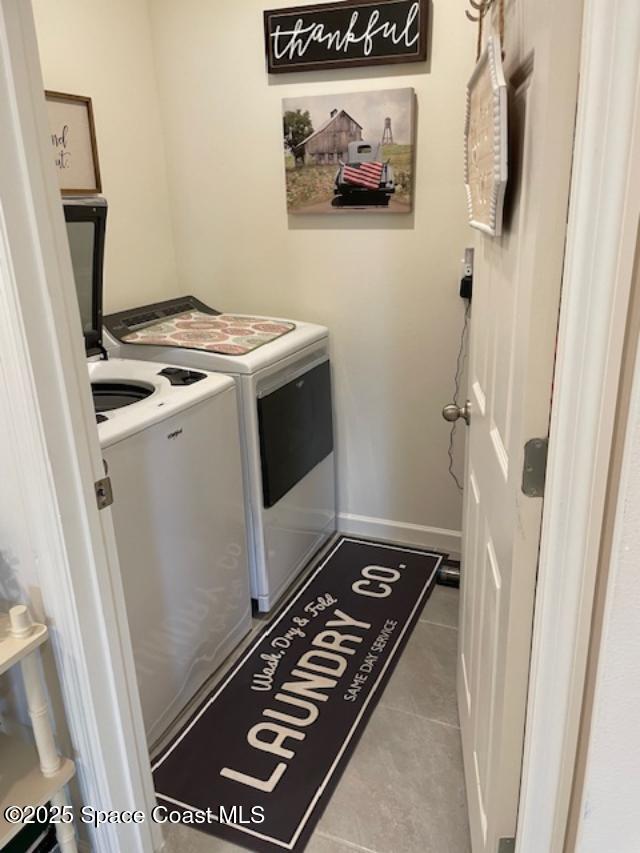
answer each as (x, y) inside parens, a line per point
(403, 790)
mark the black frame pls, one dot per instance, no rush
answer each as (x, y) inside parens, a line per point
(296, 11)
(75, 211)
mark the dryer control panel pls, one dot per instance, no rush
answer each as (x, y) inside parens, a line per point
(125, 322)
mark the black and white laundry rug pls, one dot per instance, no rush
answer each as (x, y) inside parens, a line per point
(260, 758)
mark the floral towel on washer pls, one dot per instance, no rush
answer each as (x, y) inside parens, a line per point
(226, 334)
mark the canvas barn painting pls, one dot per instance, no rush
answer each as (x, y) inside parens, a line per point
(350, 152)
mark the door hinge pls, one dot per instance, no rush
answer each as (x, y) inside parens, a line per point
(534, 475)
(104, 493)
(507, 845)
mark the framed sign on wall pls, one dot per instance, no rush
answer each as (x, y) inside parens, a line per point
(73, 138)
(347, 34)
(486, 141)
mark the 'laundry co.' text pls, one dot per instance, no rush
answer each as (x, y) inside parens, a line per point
(279, 730)
(317, 671)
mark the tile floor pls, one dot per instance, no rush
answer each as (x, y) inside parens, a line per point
(403, 790)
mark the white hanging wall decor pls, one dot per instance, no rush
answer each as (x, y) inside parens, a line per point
(486, 141)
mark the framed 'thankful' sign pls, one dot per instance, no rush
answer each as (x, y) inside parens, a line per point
(348, 34)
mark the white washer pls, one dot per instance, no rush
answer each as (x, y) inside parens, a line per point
(171, 446)
(286, 417)
(174, 464)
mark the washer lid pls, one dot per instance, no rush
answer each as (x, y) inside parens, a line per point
(86, 228)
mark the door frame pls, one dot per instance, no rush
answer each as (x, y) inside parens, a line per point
(45, 396)
(595, 300)
(49, 407)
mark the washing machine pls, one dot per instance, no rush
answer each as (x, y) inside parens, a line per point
(171, 447)
(282, 370)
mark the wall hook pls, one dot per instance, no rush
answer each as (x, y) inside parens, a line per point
(481, 7)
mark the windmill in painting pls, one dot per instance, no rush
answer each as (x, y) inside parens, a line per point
(387, 138)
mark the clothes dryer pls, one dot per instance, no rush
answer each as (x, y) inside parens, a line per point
(282, 371)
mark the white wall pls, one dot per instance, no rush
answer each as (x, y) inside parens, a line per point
(103, 50)
(386, 286)
(609, 815)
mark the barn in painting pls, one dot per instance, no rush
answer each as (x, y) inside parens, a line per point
(330, 142)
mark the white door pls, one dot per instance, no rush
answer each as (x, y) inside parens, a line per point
(68, 563)
(514, 326)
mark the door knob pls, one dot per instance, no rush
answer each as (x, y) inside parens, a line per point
(453, 413)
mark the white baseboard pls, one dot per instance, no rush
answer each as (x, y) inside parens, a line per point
(449, 541)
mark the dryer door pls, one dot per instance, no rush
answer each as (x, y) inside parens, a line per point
(296, 429)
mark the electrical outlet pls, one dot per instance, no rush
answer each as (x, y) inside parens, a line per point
(467, 263)
(466, 281)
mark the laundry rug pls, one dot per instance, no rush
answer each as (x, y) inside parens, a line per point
(259, 760)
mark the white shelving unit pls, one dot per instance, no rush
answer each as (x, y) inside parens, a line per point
(31, 775)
